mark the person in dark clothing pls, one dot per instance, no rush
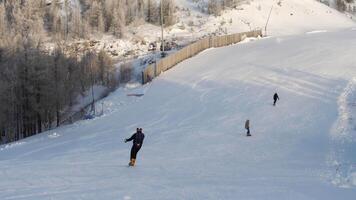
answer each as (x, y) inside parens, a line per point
(247, 127)
(137, 138)
(275, 98)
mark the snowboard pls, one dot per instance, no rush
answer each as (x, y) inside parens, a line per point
(135, 95)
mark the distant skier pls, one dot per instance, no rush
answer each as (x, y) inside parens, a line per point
(137, 138)
(275, 98)
(247, 127)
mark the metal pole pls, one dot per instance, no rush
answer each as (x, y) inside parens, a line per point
(268, 20)
(162, 40)
(92, 84)
(92, 94)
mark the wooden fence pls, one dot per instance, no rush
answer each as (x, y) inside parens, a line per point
(191, 50)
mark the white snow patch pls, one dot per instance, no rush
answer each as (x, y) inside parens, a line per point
(316, 31)
(132, 85)
(12, 145)
(54, 135)
(127, 198)
(249, 39)
(353, 178)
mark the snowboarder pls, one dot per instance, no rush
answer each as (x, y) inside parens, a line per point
(247, 127)
(136, 146)
(275, 98)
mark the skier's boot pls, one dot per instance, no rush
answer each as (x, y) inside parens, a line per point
(248, 135)
(132, 162)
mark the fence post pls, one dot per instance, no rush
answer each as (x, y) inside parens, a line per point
(155, 69)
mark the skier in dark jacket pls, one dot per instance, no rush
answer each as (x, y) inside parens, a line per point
(247, 127)
(137, 138)
(275, 98)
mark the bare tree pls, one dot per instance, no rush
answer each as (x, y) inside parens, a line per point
(341, 5)
(214, 7)
(152, 11)
(168, 12)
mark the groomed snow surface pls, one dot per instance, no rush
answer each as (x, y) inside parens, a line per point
(289, 17)
(193, 117)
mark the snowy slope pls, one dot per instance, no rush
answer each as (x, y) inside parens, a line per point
(287, 18)
(193, 117)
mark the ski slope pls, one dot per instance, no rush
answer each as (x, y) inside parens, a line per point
(193, 117)
(288, 17)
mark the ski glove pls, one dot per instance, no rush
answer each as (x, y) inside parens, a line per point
(126, 140)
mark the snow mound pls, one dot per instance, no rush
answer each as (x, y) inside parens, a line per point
(347, 110)
(343, 138)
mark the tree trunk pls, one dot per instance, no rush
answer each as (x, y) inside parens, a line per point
(39, 123)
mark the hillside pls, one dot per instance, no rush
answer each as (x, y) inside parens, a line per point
(192, 22)
(195, 146)
(287, 17)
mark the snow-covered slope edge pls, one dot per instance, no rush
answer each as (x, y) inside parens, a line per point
(343, 138)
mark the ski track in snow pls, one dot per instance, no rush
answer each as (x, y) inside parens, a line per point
(195, 146)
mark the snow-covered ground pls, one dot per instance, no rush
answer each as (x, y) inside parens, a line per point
(288, 17)
(193, 117)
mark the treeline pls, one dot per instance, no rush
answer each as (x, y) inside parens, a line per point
(66, 19)
(37, 88)
(346, 5)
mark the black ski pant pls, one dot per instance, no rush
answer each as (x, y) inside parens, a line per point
(274, 103)
(248, 131)
(134, 150)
